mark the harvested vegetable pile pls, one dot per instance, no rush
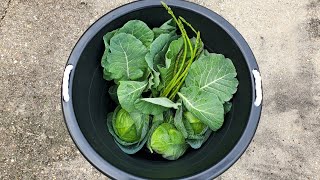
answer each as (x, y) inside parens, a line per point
(171, 92)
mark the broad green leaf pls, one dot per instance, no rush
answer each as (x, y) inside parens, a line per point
(140, 30)
(197, 143)
(204, 105)
(159, 58)
(106, 40)
(215, 74)
(173, 52)
(126, 59)
(104, 63)
(227, 107)
(178, 122)
(149, 108)
(162, 101)
(155, 48)
(159, 61)
(113, 93)
(167, 72)
(128, 92)
(168, 27)
(132, 149)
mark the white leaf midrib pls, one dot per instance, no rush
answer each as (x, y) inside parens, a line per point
(181, 95)
(127, 60)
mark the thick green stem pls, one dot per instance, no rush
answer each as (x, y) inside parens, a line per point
(177, 61)
(179, 76)
(183, 76)
(173, 80)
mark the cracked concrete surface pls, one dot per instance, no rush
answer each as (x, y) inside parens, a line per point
(36, 38)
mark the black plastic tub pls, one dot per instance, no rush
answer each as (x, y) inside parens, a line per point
(85, 100)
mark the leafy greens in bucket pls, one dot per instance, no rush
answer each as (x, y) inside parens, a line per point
(171, 92)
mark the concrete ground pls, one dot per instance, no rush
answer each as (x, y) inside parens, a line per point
(36, 38)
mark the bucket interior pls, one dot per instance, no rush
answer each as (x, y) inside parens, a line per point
(91, 102)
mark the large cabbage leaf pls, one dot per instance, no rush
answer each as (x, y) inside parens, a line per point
(155, 48)
(204, 105)
(126, 58)
(128, 92)
(140, 30)
(215, 74)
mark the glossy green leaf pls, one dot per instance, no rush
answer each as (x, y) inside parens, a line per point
(204, 105)
(215, 74)
(128, 92)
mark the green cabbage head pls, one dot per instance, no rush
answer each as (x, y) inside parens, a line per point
(168, 141)
(197, 126)
(128, 129)
(125, 127)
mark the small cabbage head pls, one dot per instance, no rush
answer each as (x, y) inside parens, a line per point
(125, 127)
(197, 126)
(168, 141)
(129, 130)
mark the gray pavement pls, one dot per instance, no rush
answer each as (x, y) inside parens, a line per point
(36, 38)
